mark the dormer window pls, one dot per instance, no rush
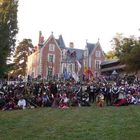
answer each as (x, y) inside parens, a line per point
(51, 47)
(86, 53)
(64, 53)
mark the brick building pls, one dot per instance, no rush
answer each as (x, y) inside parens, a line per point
(93, 57)
(53, 59)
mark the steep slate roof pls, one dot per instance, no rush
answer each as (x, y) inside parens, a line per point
(90, 47)
(79, 54)
(60, 42)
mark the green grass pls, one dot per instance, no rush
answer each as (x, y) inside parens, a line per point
(78, 123)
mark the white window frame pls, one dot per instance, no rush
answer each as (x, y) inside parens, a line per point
(98, 54)
(51, 47)
(49, 58)
(64, 53)
(86, 53)
(97, 64)
(50, 67)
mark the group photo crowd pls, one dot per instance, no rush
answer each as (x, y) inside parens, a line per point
(65, 94)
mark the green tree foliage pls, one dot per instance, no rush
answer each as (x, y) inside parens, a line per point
(8, 31)
(23, 50)
(134, 57)
(128, 51)
(111, 55)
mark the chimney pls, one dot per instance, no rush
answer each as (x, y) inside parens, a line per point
(41, 39)
(71, 45)
(40, 34)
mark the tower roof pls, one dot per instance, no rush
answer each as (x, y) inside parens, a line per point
(60, 42)
(90, 47)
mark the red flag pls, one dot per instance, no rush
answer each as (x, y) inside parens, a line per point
(88, 72)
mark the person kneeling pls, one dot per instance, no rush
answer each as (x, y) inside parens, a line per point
(10, 105)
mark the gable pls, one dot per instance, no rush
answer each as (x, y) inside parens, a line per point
(97, 48)
(50, 40)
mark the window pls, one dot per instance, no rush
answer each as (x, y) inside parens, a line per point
(51, 58)
(50, 71)
(51, 47)
(86, 53)
(64, 54)
(97, 62)
(70, 68)
(98, 54)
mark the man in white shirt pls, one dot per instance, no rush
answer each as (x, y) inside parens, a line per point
(21, 103)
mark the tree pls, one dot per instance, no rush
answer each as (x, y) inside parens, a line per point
(23, 50)
(8, 31)
(127, 50)
(111, 55)
(133, 58)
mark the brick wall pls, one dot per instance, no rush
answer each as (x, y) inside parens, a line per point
(94, 58)
(45, 64)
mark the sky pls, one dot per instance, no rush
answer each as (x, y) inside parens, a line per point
(78, 21)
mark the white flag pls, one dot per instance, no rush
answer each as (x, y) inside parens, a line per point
(79, 65)
(75, 76)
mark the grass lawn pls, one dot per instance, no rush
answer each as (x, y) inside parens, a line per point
(77, 123)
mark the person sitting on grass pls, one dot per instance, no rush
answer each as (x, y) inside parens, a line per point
(39, 100)
(121, 102)
(2, 101)
(132, 99)
(64, 101)
(45, 100)
(100, 100)
(10, 105)
(21, 103)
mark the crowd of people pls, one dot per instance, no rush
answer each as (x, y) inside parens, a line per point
(65, 94)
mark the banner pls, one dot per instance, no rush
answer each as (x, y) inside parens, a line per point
(79, 65)
(88, 72)
(66, 75)
(75, 76)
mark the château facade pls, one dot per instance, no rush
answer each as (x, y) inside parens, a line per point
(52, 58)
